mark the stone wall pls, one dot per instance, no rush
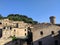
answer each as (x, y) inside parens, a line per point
(47, 38)
(9, 28)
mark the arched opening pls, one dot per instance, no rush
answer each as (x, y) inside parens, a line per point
(16, 25)
(10, 27)
(0, 23)
(25, 34)
(0, 33)
(40, 42)
(56, 42)
(52, 32)
(41, 32)
(4, 27)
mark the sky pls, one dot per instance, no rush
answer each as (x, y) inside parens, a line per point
(38, 10)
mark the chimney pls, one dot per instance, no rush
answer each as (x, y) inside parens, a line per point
(52, 19)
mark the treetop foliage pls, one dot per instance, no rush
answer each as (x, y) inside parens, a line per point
(18, 17)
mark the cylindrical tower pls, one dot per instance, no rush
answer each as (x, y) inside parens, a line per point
(52, 19)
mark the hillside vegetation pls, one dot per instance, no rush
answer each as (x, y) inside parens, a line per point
(18, 17)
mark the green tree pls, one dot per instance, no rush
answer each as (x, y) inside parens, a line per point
(18, 17)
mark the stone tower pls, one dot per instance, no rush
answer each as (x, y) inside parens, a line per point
(52, 19)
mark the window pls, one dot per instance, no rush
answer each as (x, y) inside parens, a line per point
(14, 30)
(40, 42)
(29, 28)
(25, 34)
(16, 25)
(0, 23)
(0, 33)
(4, 27)
(14, 35)
(10, 28)
(25, 29)
(52, 32)
(41, 32)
